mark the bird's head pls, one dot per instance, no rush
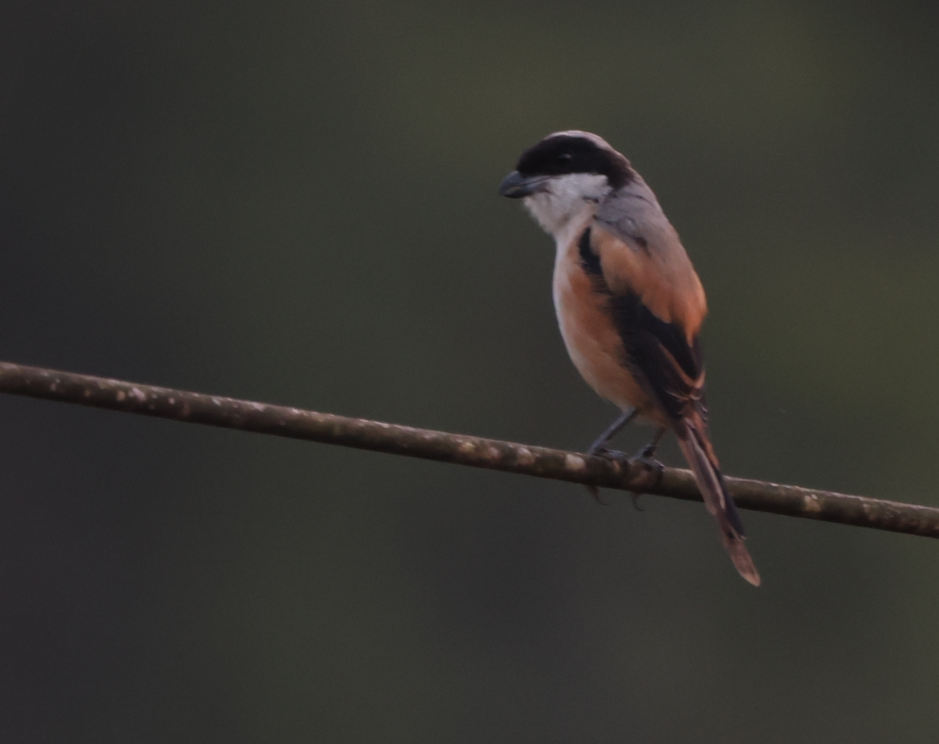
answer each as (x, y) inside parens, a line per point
(566, 175)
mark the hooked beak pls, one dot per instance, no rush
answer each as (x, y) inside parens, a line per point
(516, 186)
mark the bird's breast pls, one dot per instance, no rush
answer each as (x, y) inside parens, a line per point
(591, 337)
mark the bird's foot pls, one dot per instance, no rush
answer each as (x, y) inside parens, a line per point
(647, 452)
(610, 454)
(650, 479)
(653, 475)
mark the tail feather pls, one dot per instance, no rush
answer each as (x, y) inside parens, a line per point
(696, 448)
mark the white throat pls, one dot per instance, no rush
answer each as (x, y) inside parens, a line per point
(568, 201)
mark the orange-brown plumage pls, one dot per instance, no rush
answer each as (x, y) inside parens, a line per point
(666, 282)
(593, 341)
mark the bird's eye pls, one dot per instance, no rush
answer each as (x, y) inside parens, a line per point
(564, 157)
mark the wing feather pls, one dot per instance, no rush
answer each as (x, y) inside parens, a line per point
(658, 322)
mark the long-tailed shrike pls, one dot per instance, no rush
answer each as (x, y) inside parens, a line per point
(628, 301)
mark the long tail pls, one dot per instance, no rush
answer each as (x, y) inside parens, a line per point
(697, 450)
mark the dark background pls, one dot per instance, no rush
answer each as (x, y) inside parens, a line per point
(296, 203)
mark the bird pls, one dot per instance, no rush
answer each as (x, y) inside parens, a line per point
(629, 304)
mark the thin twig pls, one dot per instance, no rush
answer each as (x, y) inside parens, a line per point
(542, 462)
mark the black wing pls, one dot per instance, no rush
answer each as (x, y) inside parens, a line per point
(671, 368)
(658, 352)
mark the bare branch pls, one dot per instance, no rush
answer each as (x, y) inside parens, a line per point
(542, 462)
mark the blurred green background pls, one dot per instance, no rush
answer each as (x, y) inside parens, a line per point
(296, 203)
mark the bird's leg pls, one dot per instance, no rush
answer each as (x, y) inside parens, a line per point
(599, 446)
(646, 452)
(645, 456)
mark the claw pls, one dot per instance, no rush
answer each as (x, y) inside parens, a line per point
(651, 464)
(595, 492)
(609, 454)
(599, 450)
(646, 452)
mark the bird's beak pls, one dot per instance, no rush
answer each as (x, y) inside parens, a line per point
(516, 186)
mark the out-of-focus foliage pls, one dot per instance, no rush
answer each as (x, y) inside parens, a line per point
(295, 202)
